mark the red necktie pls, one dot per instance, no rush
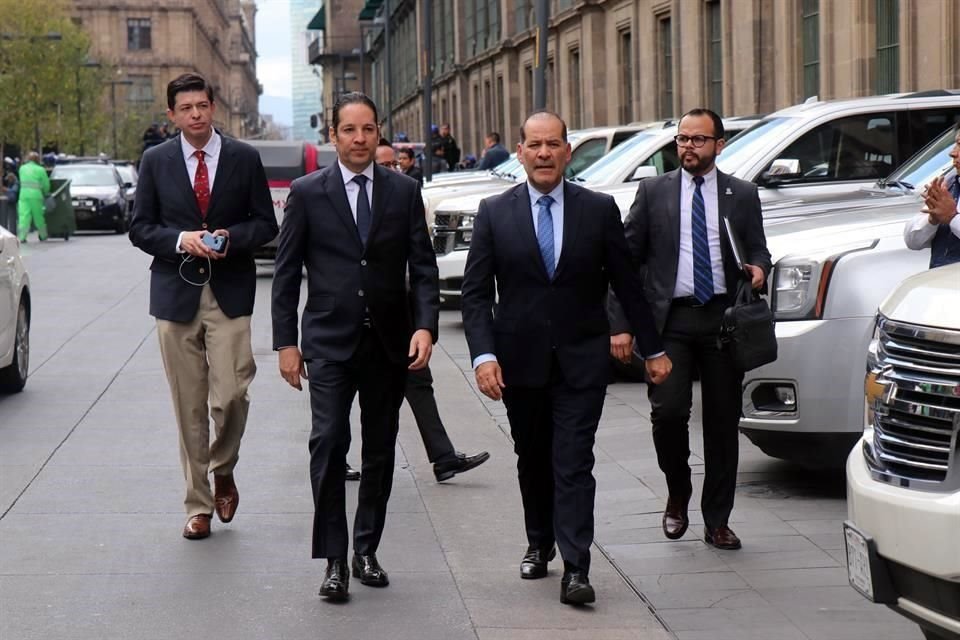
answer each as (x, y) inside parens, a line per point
(201, 184)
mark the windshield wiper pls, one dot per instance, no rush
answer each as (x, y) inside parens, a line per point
(900, 184)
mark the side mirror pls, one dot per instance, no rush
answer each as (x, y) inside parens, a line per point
(780, 170)
(643, 171)
(127, 185)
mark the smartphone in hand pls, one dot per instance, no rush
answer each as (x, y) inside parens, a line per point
(217, 243)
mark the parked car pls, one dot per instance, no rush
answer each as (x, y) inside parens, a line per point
(284, 161)
(128, 173)
(903, 478)
(643, 154)
(99, 195)
(831, 270)
(14, 315)
(836, 145)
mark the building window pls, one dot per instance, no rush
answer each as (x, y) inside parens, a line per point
(487, 105)
(665, 47)
(522, 15)
(714, 57)
(625, 62)
(498, 125)
(528, 73)
(563, 5)
(443, 31)
(810, 18)
(550, 78)
(141, 91)
(888, 46)
(482, 25)
(576, 94)
(138, 34)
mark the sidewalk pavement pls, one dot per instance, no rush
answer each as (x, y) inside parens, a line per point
(91, 493)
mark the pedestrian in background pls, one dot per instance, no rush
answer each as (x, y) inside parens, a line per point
(539, 339)
(34, 187)
(451, 150)
(689, 275)
(360, 230)
(493, 153)
(196, 189)
(937, 226)
(408, 164)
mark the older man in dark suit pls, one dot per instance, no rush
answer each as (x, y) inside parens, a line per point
(689, 273)
(197, 188)
(359, 229)
(550, 249)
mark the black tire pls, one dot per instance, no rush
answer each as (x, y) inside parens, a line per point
(14, 377)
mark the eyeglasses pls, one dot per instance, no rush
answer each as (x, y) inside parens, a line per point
(697, 141)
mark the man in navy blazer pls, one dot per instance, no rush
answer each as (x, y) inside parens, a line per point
(193, 188)
(550, 249)
(359, 229)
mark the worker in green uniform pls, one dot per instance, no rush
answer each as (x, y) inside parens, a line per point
(34, 187)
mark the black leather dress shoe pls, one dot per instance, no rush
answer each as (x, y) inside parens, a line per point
(369, 571)
(675, 518)
(351, 474)
(446, 470)
(721, 537)
(575, 588)
(534, 563)
(336, 581)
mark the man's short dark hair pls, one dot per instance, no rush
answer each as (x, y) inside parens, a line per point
(187, 82)
(384, 143)
(354, 97)
(407, 151)
(718, 131)
(537, 114)
(493, 135)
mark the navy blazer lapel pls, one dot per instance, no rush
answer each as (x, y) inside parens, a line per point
(572, 214)
(382, 190)
(226, 165)
(181, 179)
(337, 194)
(673, 208)
(523, 218)
(725, 197)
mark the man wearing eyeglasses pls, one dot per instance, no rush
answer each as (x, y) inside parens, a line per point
(385, 155)
(689, 275)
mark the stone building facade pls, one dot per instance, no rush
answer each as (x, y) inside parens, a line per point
(149, 42)
(618, 61)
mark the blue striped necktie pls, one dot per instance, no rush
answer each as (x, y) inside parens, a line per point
(702, 266)
(545, 234)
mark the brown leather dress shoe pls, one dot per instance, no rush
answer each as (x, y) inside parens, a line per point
(675, 519)
(197, 527)
(225, 497)
(721, 537)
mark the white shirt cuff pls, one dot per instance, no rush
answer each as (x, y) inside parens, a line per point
(179, 240)
(483, 357)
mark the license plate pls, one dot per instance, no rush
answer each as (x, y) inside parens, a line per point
(858, 561)
(83, 214)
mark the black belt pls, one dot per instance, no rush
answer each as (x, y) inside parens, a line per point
(693, 302)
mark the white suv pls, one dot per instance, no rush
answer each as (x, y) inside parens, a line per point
(14, 315)
(903, 480)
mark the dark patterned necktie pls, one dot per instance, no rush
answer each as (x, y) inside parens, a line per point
(545, 234)
(201, 183)
(363, 208)
(702, 266)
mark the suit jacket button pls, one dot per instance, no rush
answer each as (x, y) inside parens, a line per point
(360, 293)
(363, 263)
(203, 226)
(202, 270)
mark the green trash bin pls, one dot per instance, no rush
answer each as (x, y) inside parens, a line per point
(62, 221)
(8, 214)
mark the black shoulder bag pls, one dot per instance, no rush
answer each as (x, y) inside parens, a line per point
(747, 331)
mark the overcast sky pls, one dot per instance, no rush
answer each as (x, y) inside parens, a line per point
(273, 61)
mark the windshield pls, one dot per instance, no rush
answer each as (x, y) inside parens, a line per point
(620, 159)
(126, 173)
(510, 168)
(86, 176)
(926, 164)
(751, 142)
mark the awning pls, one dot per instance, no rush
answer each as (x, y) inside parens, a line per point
(319, 21)
(369, 10)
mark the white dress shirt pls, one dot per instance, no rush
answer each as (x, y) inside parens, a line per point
(353, 189)
(918, 232)
(684, 286)
(211, 156)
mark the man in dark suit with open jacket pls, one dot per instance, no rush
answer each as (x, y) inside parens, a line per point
(359, 229)
(193, 187)
(690, 275)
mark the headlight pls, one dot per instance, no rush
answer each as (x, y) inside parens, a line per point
(800, 282)
(108, 200)
(874, 386)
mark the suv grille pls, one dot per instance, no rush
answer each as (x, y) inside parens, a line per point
(916, 425)
(452, 232)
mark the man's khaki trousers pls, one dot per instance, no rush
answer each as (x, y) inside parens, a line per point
(208, 360)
